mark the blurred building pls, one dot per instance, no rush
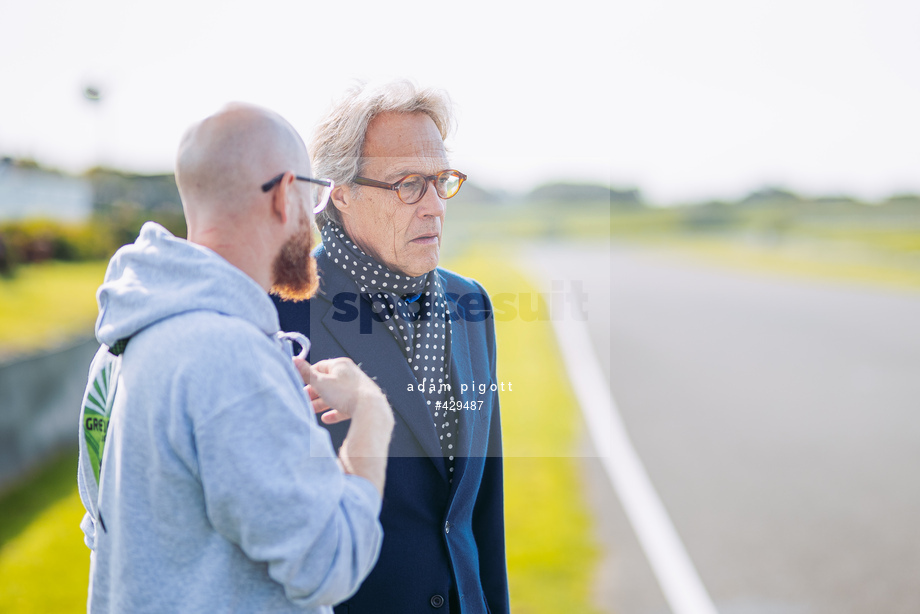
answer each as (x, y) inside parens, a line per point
(27, 191)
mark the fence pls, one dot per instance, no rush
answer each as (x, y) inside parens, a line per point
(40, 407)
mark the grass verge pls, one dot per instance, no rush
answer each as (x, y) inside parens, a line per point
(799, 258)
(44, 565)
(551, 553)
(46, 302)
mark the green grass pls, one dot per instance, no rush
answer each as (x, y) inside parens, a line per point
(887, 239)
(551, 554)
(44, 565)
(843, 243)
(47, 302)
(478, 224)
(839, 262)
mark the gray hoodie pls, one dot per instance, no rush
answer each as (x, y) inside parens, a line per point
(219, 492)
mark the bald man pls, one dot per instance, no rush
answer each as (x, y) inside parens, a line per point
(207, 482)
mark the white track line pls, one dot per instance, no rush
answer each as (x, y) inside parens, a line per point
(676, 575)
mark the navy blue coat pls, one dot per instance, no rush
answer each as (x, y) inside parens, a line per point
(437, 536)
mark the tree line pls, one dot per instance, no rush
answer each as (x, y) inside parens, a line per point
(122, 202)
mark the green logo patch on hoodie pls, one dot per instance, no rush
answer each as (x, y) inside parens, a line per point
(96, 414)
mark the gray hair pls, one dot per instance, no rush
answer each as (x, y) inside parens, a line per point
(338, 140)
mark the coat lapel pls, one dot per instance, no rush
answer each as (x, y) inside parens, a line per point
(377, 353)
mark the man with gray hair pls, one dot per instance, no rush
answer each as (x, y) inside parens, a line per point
(427, 337)
(207, 482)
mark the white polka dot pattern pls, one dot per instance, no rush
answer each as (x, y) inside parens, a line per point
(414, 310)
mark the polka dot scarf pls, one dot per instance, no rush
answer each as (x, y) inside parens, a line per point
(414, 309)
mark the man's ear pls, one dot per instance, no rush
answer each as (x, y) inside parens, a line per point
(340, 197)
(281, 195)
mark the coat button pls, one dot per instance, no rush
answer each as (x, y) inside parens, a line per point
(437, 601)
(447, 527)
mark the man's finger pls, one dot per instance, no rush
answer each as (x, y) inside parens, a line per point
(304, 368)
(319, 405)
(323, 366)
(333, 417)
(329, 364)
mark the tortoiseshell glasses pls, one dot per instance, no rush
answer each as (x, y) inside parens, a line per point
(411, 188)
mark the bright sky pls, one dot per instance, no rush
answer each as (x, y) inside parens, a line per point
(685, 100)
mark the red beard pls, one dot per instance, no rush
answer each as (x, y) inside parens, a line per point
(294, 275)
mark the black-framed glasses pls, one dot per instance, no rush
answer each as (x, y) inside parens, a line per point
(320, 189)
(411, 188)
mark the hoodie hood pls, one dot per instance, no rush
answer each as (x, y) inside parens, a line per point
(160, 276)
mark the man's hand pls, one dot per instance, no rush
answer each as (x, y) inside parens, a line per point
(340, 386)
(337, 384)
